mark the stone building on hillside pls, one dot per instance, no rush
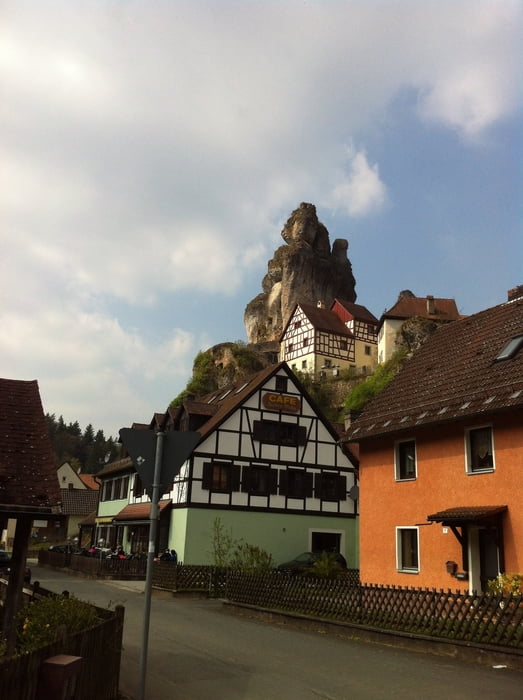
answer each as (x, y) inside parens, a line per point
(408, 306)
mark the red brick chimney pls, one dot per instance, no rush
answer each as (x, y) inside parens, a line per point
(515, 293)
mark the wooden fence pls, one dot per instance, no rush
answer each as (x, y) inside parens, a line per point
(124, 569)
(455, 615)
(210, 580)
(480, 618)
(99, 647)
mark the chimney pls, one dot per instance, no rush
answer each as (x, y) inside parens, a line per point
(431, 310)
(320, 304)
(515, 293)
(350, 417)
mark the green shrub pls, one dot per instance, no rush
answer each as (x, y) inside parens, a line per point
(505, 584)
(43, 621)
(250, 559)
(371, 387)
(326, 567)
(237, 554)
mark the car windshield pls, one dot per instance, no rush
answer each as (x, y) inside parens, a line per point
(303, 557)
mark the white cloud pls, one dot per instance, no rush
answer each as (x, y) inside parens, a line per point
(148, 149)
(360, 191)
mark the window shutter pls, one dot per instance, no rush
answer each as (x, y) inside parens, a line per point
(317, 485)
(301, 435)
(342, 488)
(308, 485)
(246, 479)
(207, 476)
(273, 481)
(283, 482)
(235, 478)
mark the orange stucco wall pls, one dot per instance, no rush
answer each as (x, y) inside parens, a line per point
(441, 483)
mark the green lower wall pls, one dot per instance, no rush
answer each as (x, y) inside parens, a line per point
(282, 535)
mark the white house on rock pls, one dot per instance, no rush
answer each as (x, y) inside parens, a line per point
(322, 341)
(268, 465)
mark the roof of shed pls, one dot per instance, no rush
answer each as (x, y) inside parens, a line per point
(78, 501)
(28, 482)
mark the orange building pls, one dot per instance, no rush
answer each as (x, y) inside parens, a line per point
(441, 459)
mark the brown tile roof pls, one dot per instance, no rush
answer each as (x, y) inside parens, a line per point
(200, 408)
(464, 514)
(409, 306)
(28, 480)
(139, 511)
(78, 501)
(359, 312)
(89, 481)
(454, 375)
(321, 319)
(120, 465)
(324, 320)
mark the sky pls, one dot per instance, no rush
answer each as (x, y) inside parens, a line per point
(151, 152)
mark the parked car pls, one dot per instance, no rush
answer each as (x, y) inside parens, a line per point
(5, 566)
(306, 560)
(65, 549)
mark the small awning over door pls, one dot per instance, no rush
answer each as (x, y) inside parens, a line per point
(462, 515)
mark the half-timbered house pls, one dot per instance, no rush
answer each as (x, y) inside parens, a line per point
(268, 466)
(364, 327)
(323, 341)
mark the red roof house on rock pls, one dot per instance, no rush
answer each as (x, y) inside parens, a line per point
(410, 306)
(441, 459)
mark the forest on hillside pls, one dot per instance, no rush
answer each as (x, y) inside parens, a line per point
(86, 451)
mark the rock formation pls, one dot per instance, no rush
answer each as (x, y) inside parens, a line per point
(303, 270)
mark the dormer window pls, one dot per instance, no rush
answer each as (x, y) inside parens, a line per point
(511, 348)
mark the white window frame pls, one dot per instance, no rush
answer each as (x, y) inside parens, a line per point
(400, 566)
(397, 464)
(468, 457)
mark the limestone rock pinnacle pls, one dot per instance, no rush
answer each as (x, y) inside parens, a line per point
(305, 269)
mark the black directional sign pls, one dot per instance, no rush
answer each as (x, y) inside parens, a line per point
(141, 446)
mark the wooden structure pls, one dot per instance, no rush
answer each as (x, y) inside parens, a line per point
(29, 488)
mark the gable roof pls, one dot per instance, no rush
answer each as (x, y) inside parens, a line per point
(433, 308)
(28, 483)
(357, 311)
(229, 398)
(321, 319)
(454, 375)
(89, 481)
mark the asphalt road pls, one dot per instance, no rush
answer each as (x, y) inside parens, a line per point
(198, 650)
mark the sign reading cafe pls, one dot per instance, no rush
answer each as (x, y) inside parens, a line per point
(281, 402)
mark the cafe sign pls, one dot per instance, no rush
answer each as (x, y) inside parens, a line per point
(281, 402)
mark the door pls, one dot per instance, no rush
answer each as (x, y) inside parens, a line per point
(488, 555)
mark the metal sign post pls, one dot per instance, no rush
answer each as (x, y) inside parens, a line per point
(168, 451)
(153, 525)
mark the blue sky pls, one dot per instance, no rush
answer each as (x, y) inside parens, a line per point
(152, 152)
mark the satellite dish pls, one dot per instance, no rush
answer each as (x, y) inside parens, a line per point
(354, 493)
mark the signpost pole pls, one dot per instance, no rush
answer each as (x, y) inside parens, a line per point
(153, 526)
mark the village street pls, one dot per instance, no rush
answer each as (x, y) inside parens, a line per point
(199, 650)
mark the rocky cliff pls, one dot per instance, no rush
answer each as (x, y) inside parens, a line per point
(304, 269)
